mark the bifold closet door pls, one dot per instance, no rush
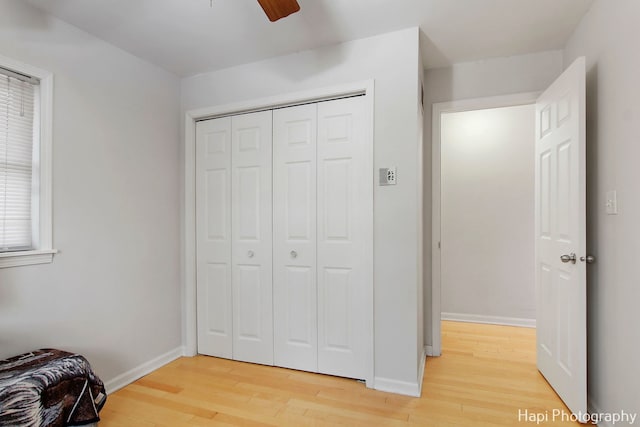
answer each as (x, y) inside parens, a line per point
(251, 223)
(294, 237)
(283, 275)
(234, 228)
(344, 238)
(213, 225)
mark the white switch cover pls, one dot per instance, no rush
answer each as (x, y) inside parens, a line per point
(612, 203)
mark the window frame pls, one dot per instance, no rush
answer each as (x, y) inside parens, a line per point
(44, 251)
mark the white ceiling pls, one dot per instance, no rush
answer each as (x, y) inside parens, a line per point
(189, 37)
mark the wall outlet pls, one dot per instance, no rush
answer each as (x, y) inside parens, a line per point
(387, 176)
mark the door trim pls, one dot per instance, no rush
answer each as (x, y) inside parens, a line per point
(436, 218)
(188, 217)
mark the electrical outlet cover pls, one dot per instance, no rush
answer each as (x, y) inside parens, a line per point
(388, 176)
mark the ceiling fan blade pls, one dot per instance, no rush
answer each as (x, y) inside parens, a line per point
(276, 9)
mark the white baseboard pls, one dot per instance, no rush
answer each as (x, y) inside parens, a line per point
(596, 409)
(398, 387)
(140, 371)
(428, 350)
(423, 362)
(403, 387)
(492, 320)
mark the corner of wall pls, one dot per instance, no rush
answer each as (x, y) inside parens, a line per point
(143, 369)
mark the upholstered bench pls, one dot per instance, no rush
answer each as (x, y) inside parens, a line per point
(51, 388)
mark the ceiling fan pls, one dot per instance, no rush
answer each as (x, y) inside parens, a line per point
(276, 9)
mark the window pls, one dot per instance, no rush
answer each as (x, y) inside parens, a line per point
(18, 144)
(25, 164)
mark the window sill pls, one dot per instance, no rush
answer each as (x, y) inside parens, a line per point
(15, 259)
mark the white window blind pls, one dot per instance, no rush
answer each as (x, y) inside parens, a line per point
(17, 100)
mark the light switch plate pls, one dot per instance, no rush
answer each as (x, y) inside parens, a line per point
(612, 203)
(388, 176)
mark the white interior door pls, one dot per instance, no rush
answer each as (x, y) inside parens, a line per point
(251, 213)
(294, 239)
(344, 210)
(560, 236)
(213, 222)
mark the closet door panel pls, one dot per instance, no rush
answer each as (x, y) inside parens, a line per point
(249, 203)
(337, 191)
(250, 307)
(294, 286)
(337, 290)
(252, 237)
(213, 224)
(344, 203)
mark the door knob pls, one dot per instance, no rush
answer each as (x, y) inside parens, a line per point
(590, 259)
(294, 254)
(250, 254)
(569, 258)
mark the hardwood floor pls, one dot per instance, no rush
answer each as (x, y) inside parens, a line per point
(485, 377)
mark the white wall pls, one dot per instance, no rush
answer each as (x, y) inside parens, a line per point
(608, 36)
(113, 292)
(392, 60)
(487, 214)
(491, 77)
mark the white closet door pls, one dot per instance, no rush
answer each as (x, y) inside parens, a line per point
(294, 234)
(251, 214)
(344, 229)
(213, 222)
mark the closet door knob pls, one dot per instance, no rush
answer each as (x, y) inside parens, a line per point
(294, 254)
(250, 254)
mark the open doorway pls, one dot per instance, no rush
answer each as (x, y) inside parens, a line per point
(560, 257)
(483, 197)
(487, 205)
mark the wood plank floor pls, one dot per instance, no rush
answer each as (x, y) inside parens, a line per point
(485, 376)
